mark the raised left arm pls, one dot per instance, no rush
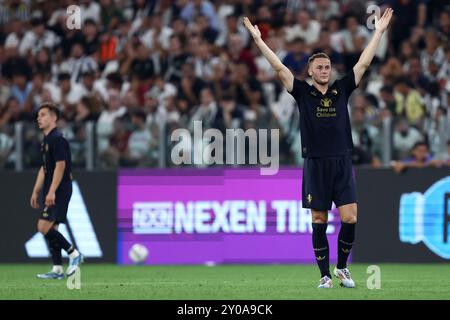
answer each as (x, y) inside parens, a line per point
(369, 52)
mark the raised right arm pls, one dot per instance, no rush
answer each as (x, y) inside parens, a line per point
(285, 75)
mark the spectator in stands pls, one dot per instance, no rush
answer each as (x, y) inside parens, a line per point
(77, 62)
(156, 113)
(443, 29)
(157, 37)
(409, 102)
(444, 71)
(14, 9)
(420, 158)
(336, 36)
(387, 99)
(110, 14)
(203, 28)
(16, 33)
(416, 76)
(91, 40)
(432, 52)
(203, 7)
(204, 61)
(88, 82)
(408, 14)
(21, 87)
(445, 157)
(405, 137)
(265, 20)
(175, 59)
(114, 109)
(191, 85)
(6, 147)
(244, 84)
(66, 94)
(37, 38)
(87, 110)
(11, 112)
(365, 139)
(171, 112)
(221, 78)
(297, 58)
(183, 108)
(117, 148)
(325, 9)
(36, 95)
(355, 38)
(138, 62)
(42, 63)
(230, 115)
(437, 130)
(205, 111)
(139, 142)
(232, 26)
(237, 52)
(391, 71)
(305, 28)
(91, 10)
(407, 49)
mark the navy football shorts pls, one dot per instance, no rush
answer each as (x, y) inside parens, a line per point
(58, 212)
(327, 180)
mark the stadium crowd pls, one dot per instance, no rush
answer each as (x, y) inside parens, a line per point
(135, 67)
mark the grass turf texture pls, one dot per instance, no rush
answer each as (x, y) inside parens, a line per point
(398, 281)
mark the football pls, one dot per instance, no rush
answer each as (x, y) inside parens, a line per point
(138, 253)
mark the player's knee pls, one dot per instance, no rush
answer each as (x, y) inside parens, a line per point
(319, 219)
(318, 216)
(350, 219)
(43, 228)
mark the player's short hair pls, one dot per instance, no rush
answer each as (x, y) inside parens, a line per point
(317, 55)
(51, 107)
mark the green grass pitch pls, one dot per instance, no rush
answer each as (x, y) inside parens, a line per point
(228, 282)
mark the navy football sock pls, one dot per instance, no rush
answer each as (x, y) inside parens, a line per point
(321, 250)
(55, 250)
(54, 236)
(345, 243)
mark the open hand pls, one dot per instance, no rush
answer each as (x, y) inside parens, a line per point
(382, 24)
(34, 200)
(253, 29)
(50, 199)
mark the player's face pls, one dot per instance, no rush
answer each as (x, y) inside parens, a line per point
(45, 119)
(320, 70)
